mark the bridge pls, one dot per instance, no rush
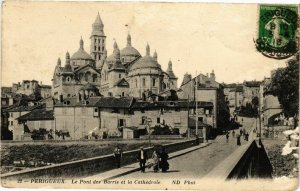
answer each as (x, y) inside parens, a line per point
(219, 158)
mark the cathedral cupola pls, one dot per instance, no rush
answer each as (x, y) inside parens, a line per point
(170, 71)
(67, 69)
(129, 53)
(128, 40)
(155, 55)
(58, 62)
(147, 50)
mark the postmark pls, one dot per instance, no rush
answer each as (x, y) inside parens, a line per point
(277, 31)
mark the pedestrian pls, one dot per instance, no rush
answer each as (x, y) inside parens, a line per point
(238, 140)
(246, 136)
(118, 156)
(233, 133)
(164, 165)
(227, 137)
(241, 132)
(242, 120)
(142, 157)
(155, 160)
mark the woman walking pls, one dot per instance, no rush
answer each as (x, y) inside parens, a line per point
(164, 165)
(155, 159)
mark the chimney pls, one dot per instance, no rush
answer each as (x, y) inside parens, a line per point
(61, 98)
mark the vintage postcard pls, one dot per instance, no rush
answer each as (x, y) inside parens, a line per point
(149, 95)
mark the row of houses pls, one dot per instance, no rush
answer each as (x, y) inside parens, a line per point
(108, 117)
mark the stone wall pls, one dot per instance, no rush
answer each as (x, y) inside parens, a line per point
(89, 166)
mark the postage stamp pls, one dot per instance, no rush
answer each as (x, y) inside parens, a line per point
(160, 96)
(277, 31)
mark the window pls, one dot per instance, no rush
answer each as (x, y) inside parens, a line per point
(144, 82)
(120, 75)
(200, 119)
(99, 41)
(95, 40)
(11, 114)
(98, 48)
(153, 82)
(11, 123)
(103, 41)
(27, 86)
(96, 110)
(99, 56)
(158, 120)
(121, 122)
(95, 48)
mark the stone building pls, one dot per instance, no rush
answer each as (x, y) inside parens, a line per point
(207, 90)
(106, 117)
(269, 104)
(250, 91)
(125, 72)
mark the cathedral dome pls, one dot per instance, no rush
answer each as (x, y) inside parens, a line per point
(81, 54)
(129, 50)
(146, 62)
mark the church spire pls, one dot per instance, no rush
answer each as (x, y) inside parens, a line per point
(98, 26)
(147, 50)
(170, 65)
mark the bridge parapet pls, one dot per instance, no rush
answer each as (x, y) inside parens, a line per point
(248, 161)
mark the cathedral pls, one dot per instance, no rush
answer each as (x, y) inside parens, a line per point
(123, 73)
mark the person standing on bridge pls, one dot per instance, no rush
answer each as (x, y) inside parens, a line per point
(164, 165)
(118, 156)
(238, 139)
(142, 157)
(227, 137)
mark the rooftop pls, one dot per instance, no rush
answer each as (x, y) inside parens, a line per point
(38, 114)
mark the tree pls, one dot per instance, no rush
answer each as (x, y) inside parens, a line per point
(285, 85)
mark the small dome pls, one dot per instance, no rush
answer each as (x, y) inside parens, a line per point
(81, 54)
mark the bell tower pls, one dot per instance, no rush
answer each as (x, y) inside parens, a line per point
(98, 44)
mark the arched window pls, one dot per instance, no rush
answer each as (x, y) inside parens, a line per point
(94, 77)
(144, 82)
(88, 76)
(123, 94)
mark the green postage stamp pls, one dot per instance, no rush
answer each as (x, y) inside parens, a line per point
(277, 31)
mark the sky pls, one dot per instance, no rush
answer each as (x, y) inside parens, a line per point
(197, 37)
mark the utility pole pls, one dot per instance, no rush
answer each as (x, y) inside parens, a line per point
(259, 120)
(196, 104)
(188, 117)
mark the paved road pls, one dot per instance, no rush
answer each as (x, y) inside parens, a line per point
(197, 163)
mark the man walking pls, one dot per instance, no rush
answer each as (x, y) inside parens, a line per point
(142, 157)
(118, 156)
